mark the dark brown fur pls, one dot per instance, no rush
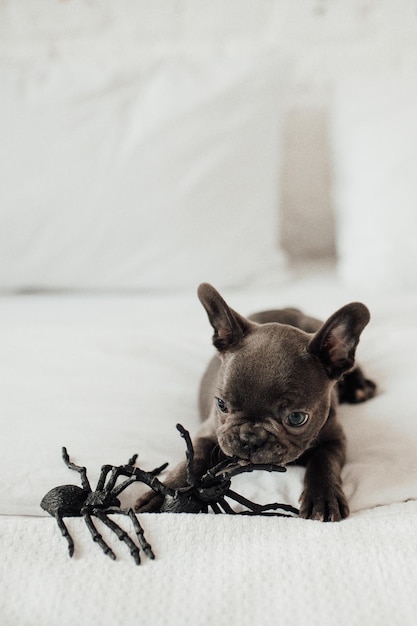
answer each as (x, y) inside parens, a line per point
(268, 367)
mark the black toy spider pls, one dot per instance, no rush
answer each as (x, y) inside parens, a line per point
(212, 489)
(74, 501)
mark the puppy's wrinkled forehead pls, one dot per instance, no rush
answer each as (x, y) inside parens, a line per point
(272, 361)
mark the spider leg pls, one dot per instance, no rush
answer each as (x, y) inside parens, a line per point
(121, 534)
(211, 474)
(242, 500)
(117, 490)
(259, 509)
(242, 469)
(226, 469)
(105, 469)
(140, 533)
(136, 475)
(226, 506)
(159, 469)
(215, 507)
(267, 509)
(116, 471)
(77, 468)
(151, 480)
(189, 454)
(65, 533)
(132, 460)
(97, 537)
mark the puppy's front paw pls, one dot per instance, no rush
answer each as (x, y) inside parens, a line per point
(326, 505)
(149, 502)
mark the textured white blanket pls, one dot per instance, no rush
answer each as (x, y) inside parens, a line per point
(108, 377)
(219, 570)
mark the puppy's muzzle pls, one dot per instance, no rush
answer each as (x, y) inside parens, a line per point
(251, 439)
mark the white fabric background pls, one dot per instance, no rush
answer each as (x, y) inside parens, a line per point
(374, 141)
(149, 172)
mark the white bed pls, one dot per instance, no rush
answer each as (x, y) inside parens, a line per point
(127, 180)
(109, 376)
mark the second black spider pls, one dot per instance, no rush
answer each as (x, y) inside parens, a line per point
(212, 490)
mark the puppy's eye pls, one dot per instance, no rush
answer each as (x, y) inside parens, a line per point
(222, 405)
(297, 418)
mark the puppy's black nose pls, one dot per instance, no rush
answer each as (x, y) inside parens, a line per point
(251, 439)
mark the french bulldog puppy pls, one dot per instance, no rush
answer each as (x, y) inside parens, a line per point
(270, 395)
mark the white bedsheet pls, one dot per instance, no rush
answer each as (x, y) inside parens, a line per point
(107, 376)
(219, 570)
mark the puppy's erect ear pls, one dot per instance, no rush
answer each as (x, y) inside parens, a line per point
(229, 326)
(335, 343)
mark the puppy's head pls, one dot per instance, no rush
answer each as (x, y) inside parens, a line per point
(274, 390)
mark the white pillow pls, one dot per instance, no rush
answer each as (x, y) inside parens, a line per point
(375, 155)
(154, 172)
